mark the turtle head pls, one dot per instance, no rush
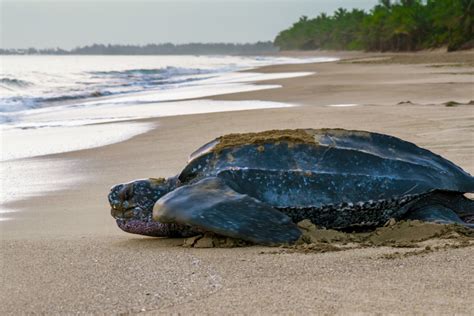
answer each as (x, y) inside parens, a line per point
(132, 205)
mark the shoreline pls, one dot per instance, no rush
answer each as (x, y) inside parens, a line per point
(66, 242)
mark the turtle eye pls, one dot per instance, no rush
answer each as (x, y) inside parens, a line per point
(126, 192)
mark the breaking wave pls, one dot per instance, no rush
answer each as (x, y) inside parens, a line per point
(96, 84)
(16, 83)
(14, 104)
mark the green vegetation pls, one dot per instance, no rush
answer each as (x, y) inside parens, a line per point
(404, 25)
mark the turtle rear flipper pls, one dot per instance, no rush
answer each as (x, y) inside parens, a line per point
(444, 208)
(214, 206)
(437, 214)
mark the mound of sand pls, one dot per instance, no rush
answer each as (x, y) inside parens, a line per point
(403, 234)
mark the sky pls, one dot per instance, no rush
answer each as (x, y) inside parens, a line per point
(71, 23)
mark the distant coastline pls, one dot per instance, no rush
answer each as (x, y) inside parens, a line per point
(153, 49)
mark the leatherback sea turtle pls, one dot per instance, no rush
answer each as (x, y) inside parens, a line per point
(256, 186)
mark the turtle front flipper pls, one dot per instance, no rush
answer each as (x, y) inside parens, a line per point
(212, 205)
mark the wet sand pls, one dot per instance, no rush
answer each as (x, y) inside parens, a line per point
(63, 253)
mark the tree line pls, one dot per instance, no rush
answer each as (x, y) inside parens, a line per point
(404, 25)
(153, 49)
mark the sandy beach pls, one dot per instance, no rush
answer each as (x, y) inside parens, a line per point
(62, 252)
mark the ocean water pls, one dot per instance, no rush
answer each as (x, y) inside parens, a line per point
(47, 100)
(31, 82)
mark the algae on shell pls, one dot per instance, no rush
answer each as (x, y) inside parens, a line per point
(301, 136)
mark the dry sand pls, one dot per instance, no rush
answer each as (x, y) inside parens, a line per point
(62, 253)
